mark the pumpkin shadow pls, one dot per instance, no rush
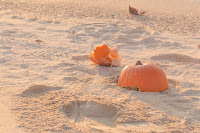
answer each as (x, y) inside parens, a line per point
(171, 102)
(108, 75)
(107, 71)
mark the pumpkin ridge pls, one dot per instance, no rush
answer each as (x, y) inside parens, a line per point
(132, 80)
(128, 76)
(135, 72)
(158, 71)
(123, 75)
(153, 70)
(141, 78)
(131, 75)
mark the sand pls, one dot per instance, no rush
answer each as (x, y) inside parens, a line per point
(48, 83)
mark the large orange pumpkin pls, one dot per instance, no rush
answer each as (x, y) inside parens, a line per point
(106, 56)
(146, 77)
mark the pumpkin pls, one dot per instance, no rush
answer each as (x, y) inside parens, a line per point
(143, 77)
(105, 56)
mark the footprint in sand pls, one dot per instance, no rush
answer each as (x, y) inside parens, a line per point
(95, 30)
(100, 112)
(37, 90)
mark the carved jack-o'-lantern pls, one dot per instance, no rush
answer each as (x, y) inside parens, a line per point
(105, 56)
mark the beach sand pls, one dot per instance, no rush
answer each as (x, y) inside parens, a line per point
(49, 84)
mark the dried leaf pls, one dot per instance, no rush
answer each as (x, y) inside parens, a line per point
(133, 10)
(142, 12)
(38, 41)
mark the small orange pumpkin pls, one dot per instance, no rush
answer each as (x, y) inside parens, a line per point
(105, 56)
(146, 77)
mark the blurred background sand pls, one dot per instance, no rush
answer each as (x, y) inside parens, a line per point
(178, 16)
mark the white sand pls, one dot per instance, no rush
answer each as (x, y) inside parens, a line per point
(52, 86)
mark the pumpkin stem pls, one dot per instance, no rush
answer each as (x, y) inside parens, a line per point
(139, 63)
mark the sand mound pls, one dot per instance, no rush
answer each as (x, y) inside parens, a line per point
(176, 58)
(69, 109)
(38, 90)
